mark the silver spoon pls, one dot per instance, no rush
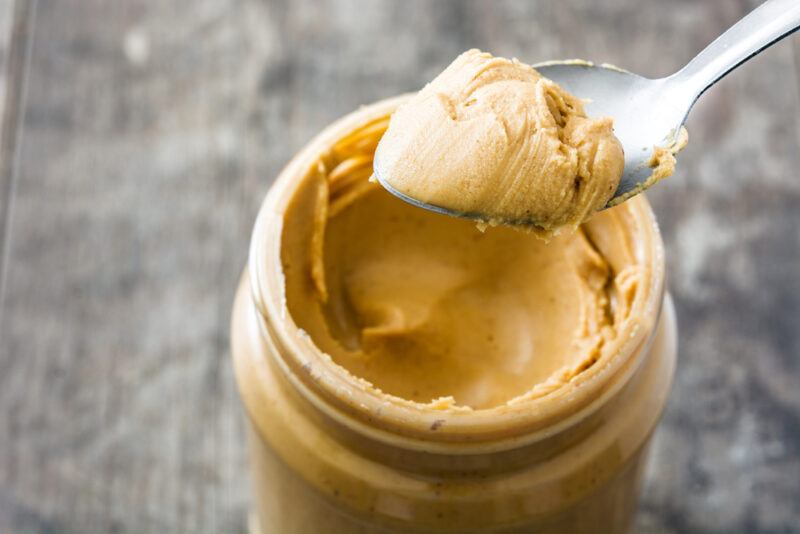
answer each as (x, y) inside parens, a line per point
(649, 113)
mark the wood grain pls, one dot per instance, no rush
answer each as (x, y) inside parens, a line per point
(16, 38)
(134, 159)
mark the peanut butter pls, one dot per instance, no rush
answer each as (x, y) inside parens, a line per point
(491, 137)
(430, 310)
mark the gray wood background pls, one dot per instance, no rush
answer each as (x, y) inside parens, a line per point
(138, 139)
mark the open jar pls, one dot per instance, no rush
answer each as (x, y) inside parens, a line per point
(365, 418)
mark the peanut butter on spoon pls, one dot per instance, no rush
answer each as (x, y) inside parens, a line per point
(492, 139)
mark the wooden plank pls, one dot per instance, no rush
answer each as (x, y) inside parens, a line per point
(151, 132)
(130, 222)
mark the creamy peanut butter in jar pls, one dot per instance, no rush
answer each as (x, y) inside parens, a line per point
(403, 371)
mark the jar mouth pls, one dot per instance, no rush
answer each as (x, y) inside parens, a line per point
(348, 399)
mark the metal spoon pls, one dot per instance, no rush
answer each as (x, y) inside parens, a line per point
(649, 113)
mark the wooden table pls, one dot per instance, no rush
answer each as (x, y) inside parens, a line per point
(138, 139)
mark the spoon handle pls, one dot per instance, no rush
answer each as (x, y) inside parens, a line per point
(765, 25)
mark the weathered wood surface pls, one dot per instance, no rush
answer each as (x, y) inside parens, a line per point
(136, 148)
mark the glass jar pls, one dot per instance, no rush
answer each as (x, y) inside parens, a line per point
(328, 455)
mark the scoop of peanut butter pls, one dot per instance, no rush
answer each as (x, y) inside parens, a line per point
(492, 139)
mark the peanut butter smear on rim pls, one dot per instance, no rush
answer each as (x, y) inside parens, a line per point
(432, 312)
(491, 137)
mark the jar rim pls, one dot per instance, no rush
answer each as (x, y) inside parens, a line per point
(340, 395)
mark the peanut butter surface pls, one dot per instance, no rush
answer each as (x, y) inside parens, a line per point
(491, 137)
(428, 309)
